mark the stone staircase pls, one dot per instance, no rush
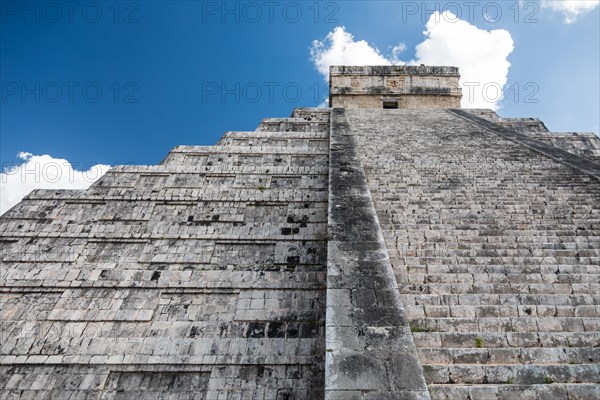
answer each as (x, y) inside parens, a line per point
(583, 144)
(208, 276)
(496, 249)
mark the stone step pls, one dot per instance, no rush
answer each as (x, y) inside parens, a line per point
(414, 248)
(442, 219)
(479, 278)
(432, 269)
(471, 251)
(253, 150)
(187, 195)
(582, 227)
(275, 135)
(182, 156)
(478, 256)
(215, 231)
(44, 276)
(436, 176)
(513, 288)
(529, 265)
(220, 168)
(210, 181)
(166, 211)
(471, 244)
(497, 311)
(530, 324)
(511, 374)
(476, 212)
(501, 299)
(277, 139)
(470, 340)
(570, 391)
(298, 118)
(292, 119)
(292, 125)
(299, 145)
(304, 157)
(415, 200)
(312, 113)
(56, 211)
(483, 355)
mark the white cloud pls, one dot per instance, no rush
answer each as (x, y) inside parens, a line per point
(480, 55)
(396, 51)
(324, 104)
(43, 172)
(339, 48)
(571, 9)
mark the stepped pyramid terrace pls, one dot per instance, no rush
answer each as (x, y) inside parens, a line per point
(393, 246)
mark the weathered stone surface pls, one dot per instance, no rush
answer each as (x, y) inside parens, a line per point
(494, 240)
(413, 87)
(200, 278)
(374, 354)
(385, 254)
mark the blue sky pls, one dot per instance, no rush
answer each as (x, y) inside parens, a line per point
(108, 82)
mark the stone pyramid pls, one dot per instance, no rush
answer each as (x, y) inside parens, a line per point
(393, 246)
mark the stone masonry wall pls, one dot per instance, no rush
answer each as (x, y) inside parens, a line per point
(200, 278)
(413, 87)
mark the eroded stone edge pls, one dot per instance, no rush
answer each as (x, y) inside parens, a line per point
(369, 347)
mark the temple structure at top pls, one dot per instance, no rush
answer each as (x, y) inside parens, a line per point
(392, 247)
(412, 87)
